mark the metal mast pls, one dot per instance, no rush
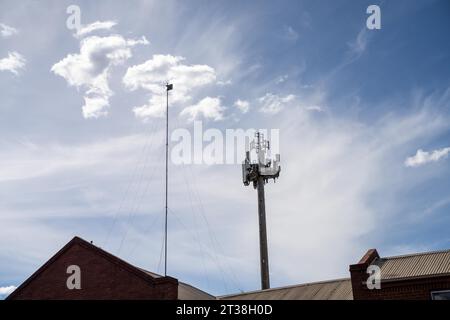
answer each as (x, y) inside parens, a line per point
(259, 173)
(168, 88)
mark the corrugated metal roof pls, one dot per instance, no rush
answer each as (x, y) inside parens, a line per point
(392, 268)
(340, 289)
(186, 291)
(414, 265)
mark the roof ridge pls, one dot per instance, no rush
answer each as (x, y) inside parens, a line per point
(154, 277)
(415, 254)
(285, 287)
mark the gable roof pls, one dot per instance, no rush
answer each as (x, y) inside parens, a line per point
(339, 289)
(427, 264)
(185, 291)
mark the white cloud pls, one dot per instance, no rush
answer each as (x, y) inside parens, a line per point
(95, 26)
(437, 205)
(7, 290)
(224, 82)
(152, 74)
(7, 31)
(209, 108)
(30, 161)
(242, 105)
(290, 33)
(155, 108)
(424, 157)
(13, 63)
(359, 44)
(91, 67)
(282, 78)
(272, 103)
(314, 108)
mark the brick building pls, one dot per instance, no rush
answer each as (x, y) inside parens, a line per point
(103, 276)
(421, 276)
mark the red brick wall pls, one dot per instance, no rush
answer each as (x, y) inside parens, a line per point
(101, 278)
(415, 289)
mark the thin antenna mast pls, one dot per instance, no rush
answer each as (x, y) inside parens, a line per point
(168, 88)
(259, 173)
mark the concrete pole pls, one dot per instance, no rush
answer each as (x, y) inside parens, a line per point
(264, 256)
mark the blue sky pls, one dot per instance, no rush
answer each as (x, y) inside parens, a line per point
(352, 106)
